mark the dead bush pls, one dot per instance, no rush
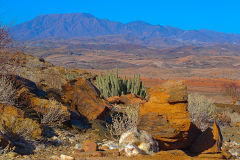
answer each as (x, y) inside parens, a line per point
(8, 65)
(234, 116)
(7, 91)
(123, 120)
(201, 110)
(223, 118)
(232, 90)
(5, 38)
(53, 115)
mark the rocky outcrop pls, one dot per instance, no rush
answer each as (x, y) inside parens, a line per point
(44, 74)
(210, 141)
(13, 123)
(136, 142)
(34, 101)
(181, 155)
(129, 99)
(84, 99)
(165, 115)
(4, 142)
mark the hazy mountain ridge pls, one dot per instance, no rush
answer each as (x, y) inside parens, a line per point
(83, 25)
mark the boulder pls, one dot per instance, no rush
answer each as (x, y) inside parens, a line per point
(181, 155)
(89, 146)
(45, 74)
(4, 142)
(165, 115)
(12, 120)
(135, 142)
(132, 150)
(129, 99)
(210, 141)
(65, 157)
(84, 99)
(50, 107)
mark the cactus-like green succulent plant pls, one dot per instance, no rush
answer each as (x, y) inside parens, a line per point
(110, 84)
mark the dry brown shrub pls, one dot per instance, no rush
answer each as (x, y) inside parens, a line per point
(201, 110)
(234, 116)
(53, 115)
(123, 120)
(7, 91)
(223, 118)
(232, 90)
(5, 38)
(7, 64)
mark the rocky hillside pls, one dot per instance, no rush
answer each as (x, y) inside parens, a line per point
(49, 112)
(82, 25)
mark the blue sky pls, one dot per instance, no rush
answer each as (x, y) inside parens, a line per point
(218, 15)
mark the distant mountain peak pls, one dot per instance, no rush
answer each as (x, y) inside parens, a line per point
(85, 25)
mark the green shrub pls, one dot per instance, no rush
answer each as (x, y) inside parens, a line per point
(112, 85)
(70, 76)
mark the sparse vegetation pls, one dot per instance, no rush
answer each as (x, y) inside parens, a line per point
(71, 76)
(201, 110)
(53, 114)
(17, 129)
(123, 119)
(234, 116)
(5, 42)
(5, 38)
(7, 91)
(112, 85)
(232, 90)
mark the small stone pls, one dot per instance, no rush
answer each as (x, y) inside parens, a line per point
(89, 146)
(116, 154)
(12, 155)
(112, 145)
(132, 150)
(226, 154)
(78, 146)
(65, 157)
(77, 150)
(97, 154)
(104, 147)
(54, 158)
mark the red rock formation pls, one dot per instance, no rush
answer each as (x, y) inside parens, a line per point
(84, 99)
(126, 99)
(89, 146)
(210, 141)
(165, 115)
(13, 118)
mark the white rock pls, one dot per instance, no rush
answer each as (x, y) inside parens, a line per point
(112, 145)
(141, 139)
(78, 146)
(132, 150)
(65, 157)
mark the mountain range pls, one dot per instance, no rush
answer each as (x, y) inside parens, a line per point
(86, 26)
